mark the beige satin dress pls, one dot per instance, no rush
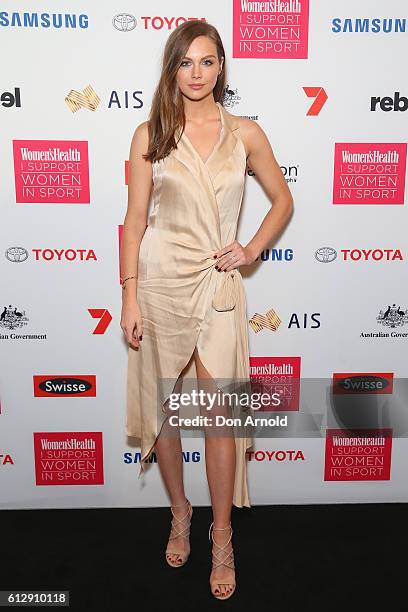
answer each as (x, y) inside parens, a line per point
(185, 302)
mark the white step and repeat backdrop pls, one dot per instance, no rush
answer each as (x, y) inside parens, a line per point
(327, 303)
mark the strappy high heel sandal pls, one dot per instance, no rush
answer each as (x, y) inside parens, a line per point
(228, 561)
(184, 532)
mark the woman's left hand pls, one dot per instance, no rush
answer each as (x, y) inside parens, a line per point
(232, 256)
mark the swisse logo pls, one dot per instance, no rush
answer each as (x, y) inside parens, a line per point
(8, 99)
(362, 383)
(276, 255)
(275, 455)
(64, 255)
(68, 386)
(397, 103)
(124, 22)
(186, 456)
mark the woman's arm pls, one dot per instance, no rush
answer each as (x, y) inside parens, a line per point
(262, 161)
(134, 226)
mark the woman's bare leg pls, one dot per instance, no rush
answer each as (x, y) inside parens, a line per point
(169, 455)
(220, 458)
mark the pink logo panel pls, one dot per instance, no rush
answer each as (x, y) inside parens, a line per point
(363, 454)
(68, 458)
(51, 171)
(369, 173)
(279, 31)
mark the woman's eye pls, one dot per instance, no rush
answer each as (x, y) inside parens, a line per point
(183, 63)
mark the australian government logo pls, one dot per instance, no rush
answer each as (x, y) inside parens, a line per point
(231, 97)
(11, 319)
(394, 319)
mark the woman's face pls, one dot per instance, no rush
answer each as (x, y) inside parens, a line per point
(200, 66)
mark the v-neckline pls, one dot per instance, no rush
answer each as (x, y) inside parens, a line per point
(217, 143)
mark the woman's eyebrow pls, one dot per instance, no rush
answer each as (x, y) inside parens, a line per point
(204, 57)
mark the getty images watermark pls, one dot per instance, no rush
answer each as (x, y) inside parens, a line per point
(217, 401)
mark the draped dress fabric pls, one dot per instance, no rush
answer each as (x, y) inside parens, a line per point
(184, 301)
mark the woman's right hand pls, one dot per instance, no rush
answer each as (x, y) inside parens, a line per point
(131, 323)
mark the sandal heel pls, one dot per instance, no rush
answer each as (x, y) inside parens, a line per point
(228, 561)
(176, 532)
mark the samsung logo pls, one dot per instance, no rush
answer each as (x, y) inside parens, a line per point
(43, 20)
(276, 255)
(369, 25)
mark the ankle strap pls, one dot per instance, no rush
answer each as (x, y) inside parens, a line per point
(218, 529)
(181, 505)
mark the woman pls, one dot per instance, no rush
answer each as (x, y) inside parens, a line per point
(183, 295)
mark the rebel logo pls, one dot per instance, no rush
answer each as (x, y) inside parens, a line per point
(397, 103)
(9, 99)
(362, 383)
(64, 386)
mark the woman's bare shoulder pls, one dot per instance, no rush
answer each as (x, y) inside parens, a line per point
(250, 131)
(141, 132)
(140, 139)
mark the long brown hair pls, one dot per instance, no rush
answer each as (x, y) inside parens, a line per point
(167, 110)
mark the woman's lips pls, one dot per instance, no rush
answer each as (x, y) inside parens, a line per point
(196, 86)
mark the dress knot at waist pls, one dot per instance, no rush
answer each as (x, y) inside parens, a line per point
(226, 295)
